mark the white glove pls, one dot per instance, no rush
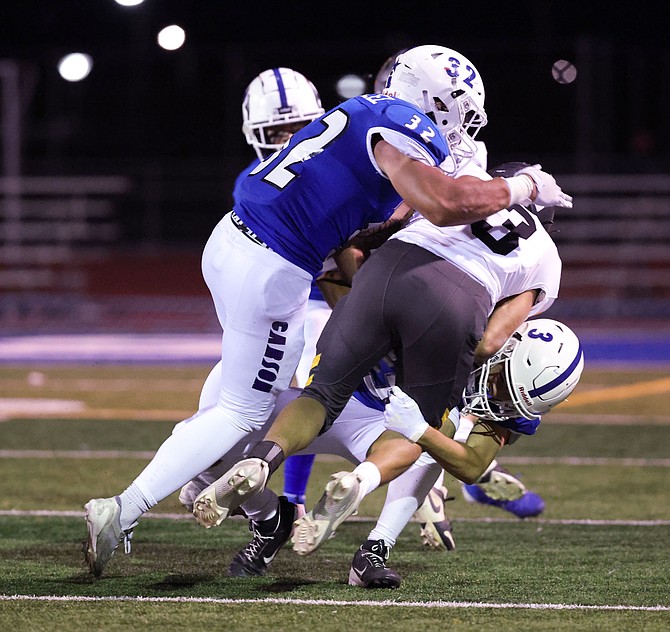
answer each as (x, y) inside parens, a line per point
(548, 192)
(402, 415)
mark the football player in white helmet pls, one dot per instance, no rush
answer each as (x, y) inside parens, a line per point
(362, 423)
(557, 364)
(277, 103)
(446, 86)
(525, 379)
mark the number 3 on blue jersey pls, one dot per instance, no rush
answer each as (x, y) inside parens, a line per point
(281, 174)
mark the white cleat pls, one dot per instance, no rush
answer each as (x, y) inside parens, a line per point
(192, 489)
(104, 533)
(341, 499)
(435, 526)
(216, 502)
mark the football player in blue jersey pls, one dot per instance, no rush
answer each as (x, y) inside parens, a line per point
(276, 104)
(426, 293)
(348, 169)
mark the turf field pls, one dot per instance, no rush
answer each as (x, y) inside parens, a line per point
(597, 558)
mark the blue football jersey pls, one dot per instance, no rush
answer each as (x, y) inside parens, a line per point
(376, 386)
(310, 198)
(241, 177)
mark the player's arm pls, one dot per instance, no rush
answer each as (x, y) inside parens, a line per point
(334, 284)
(370, 239)
(507, 316)
(466, 461)
(447, 201)
(441, 199)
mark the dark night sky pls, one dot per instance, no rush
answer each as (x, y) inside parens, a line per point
(144, 110)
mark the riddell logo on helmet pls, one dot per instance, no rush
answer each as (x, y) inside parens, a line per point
(524, 395)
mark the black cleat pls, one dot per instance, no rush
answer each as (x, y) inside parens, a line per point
(368, 568)
(269, 536)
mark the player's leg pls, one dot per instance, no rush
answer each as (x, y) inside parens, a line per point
(368, 567)
(388, 457)
(297, 468)
(210, 433)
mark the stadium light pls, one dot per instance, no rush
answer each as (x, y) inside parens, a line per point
(350, 86)
(171, 37)
(75, 66)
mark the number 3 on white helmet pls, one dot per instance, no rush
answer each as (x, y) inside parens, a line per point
(541, 364)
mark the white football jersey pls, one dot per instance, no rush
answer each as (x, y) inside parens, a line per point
(509, 252)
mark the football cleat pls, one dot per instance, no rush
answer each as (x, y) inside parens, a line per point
(501, 489)
(103, 521)
(192, 489)
(368, 568)
(217, 501)
(340, 500)
(435, 526)
(527, 506)
(499, 484)
(268, 537)
(437, 535)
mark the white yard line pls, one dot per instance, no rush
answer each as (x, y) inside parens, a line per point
(514, 460)
(48, 513)
(333, 602)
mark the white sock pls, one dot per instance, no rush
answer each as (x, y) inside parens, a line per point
(369, 476)
(403, 498)
(134, 502)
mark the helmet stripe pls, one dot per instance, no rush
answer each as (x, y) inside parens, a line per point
(281, 87)
(558, 380)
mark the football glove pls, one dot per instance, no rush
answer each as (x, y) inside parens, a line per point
(402, 415)
(548, 191)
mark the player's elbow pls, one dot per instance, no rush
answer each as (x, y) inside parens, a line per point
(472, 474)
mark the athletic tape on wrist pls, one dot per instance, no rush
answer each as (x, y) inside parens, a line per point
(520, 189)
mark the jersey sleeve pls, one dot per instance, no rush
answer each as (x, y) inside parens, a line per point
(548, 278)
(411, 133)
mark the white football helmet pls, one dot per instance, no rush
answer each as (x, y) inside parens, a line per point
(447, 87)
(540, 364)
(277, 100)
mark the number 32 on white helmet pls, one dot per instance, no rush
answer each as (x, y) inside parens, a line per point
(541, 364)
(447, 87)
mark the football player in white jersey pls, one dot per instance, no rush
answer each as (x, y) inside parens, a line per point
(497, 487)
(360, 430)
(346, 170)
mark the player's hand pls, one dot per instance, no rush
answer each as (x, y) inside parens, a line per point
(402, 415)
(548, 191)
